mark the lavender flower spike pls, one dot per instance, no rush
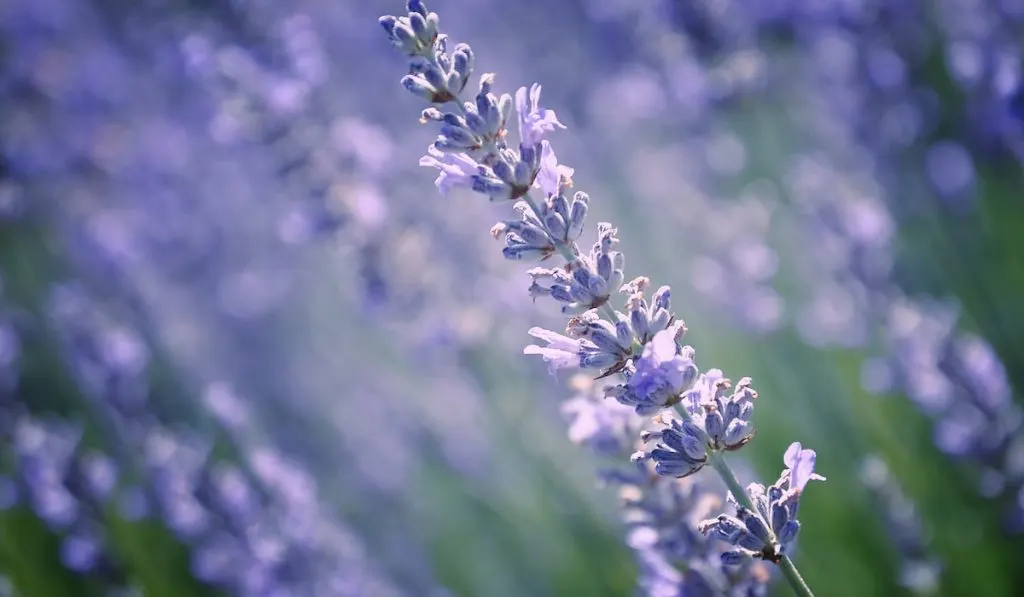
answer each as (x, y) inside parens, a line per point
(640, 344)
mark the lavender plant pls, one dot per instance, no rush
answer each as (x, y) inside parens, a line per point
(697, 417)
(959, 382)
(250, 517)
(66, 487)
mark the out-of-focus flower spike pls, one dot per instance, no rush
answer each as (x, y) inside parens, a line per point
(920, 569)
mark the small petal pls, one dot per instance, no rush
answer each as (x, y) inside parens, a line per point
(562, 352)
(735, 557)
(534, 122)
(789, 531)
(454, 169)
(551, 174)
(800, 463)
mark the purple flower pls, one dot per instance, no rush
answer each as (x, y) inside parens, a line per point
(551, 174)
(595, 347)
(682, 451)
(663, 372)
(562, 352)
(455, 169)
(800, 464)
(533, 121)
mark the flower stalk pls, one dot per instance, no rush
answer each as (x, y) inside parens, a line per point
(639, 347)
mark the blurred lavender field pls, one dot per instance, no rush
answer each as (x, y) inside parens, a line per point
(246, 348)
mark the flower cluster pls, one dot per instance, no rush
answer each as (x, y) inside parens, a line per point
(643, 344)
(67, 486)
(715, 418)
(661, 513)
(769, 530)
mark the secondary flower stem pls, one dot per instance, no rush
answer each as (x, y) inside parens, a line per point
(717, 461)
(793, 577)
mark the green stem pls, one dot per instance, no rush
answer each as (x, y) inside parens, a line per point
(793, 577)
(717, 461)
